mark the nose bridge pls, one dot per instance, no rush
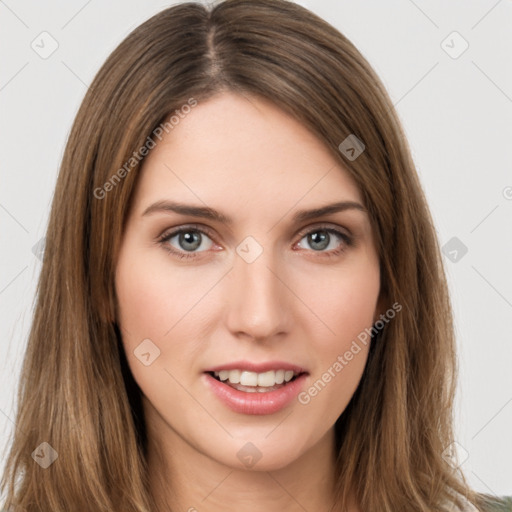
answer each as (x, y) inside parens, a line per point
(257, 296)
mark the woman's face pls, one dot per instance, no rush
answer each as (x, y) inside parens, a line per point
(254, 288)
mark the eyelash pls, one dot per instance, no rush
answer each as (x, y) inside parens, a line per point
(163, 239)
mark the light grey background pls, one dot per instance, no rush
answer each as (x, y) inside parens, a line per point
(457, 113)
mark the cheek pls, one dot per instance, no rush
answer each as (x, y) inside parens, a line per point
(148, 308)
(345, 302)
(154, 299)
(152, 312)
(346, 305)
(165, 305)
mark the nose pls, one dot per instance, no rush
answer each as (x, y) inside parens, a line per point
(258, 300)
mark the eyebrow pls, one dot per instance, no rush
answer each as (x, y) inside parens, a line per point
(212, 214)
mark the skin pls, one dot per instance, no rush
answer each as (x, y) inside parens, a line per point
(245, 157)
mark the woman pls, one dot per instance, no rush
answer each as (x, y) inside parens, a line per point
(242, 304)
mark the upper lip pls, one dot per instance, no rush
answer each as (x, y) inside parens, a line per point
(257, 367)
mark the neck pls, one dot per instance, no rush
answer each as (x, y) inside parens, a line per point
(185, 479)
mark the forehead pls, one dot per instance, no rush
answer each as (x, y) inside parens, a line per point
(246, 153)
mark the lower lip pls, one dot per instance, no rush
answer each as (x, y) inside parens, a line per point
(256, 403)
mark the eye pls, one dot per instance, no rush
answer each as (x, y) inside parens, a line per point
(326, 240)
(186, 241)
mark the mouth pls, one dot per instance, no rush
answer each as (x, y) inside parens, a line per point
(258, 389)
(254, 382)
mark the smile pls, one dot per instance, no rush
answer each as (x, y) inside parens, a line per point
(252, 392)
(252, 382)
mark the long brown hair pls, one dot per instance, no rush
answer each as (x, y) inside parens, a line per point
(76, 392)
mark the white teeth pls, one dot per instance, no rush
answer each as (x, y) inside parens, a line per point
(265, 379)
(288, 375)
(223, 375)
(248, 379)
(234, 376)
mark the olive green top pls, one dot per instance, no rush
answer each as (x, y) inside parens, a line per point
(503, 505)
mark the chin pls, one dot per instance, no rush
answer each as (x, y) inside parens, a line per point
(267, 452)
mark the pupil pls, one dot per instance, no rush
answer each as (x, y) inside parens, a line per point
(322, 240)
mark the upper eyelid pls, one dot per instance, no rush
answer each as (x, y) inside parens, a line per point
(171, 232)
(326, 226)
